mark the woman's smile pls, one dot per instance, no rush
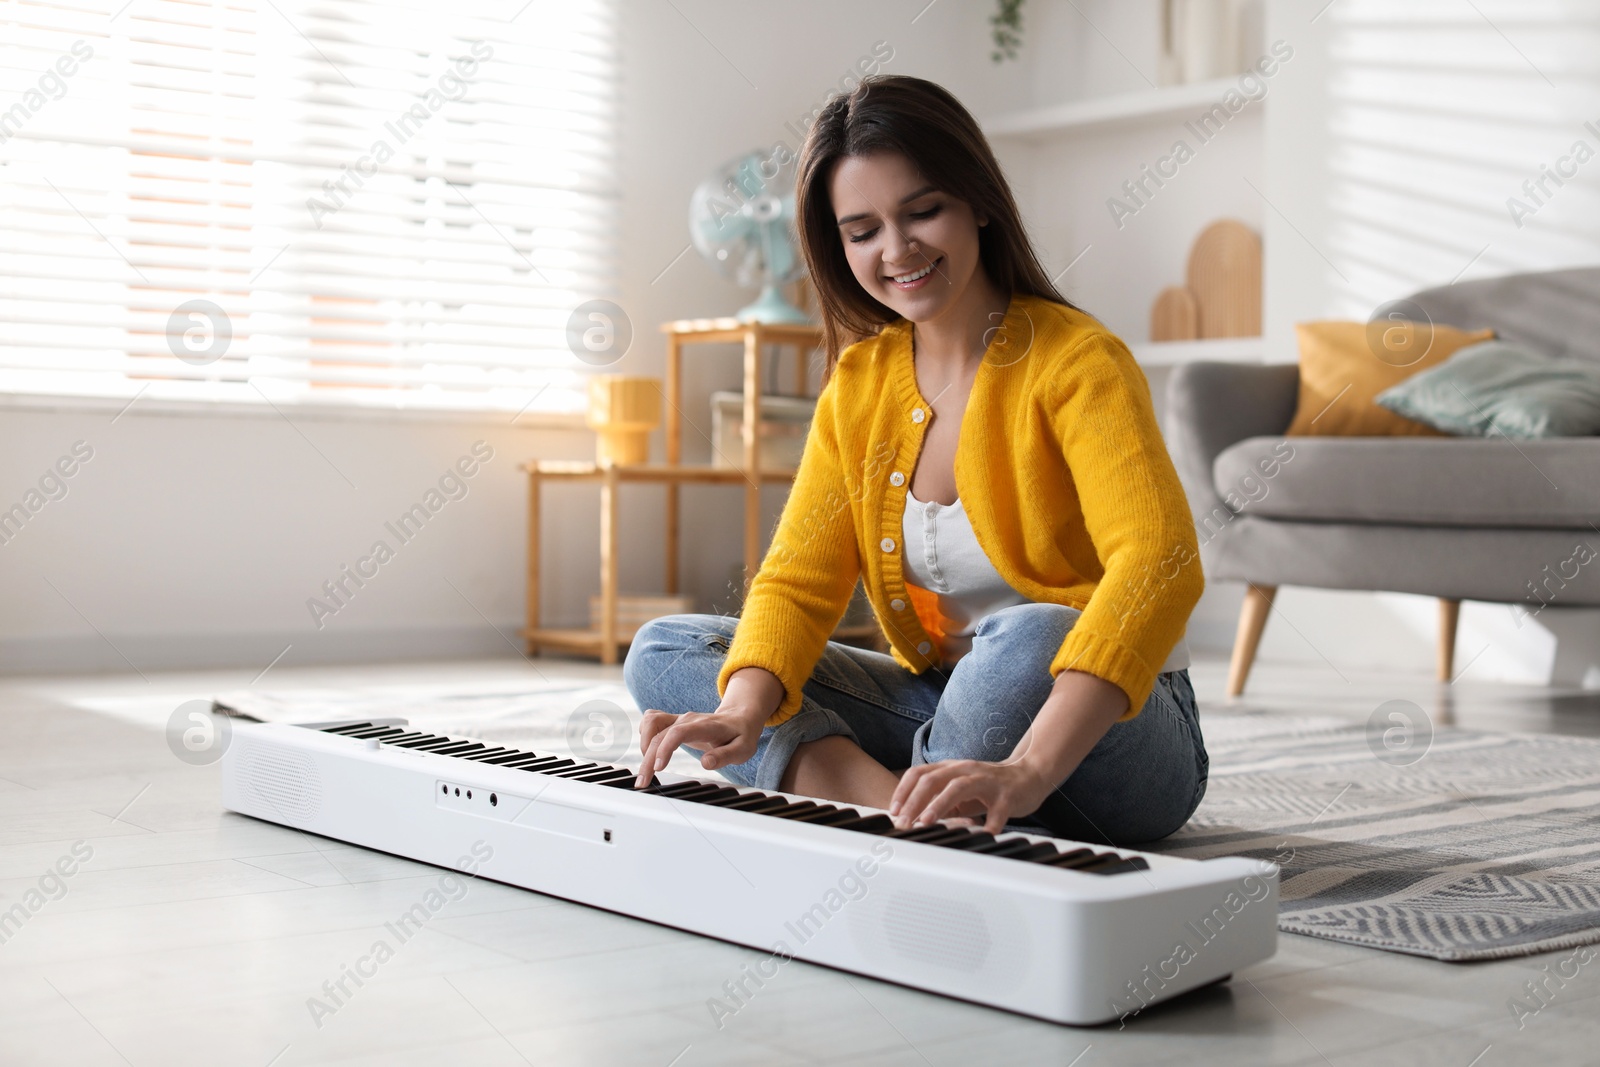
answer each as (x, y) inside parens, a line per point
(914, 279)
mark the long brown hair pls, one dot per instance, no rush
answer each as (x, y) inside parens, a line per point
(926, 124)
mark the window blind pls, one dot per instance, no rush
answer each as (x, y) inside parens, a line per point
(392, 204)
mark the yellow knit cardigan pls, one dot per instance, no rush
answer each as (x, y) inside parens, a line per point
(1065, 478)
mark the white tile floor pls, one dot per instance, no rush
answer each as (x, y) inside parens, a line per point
(191, 936)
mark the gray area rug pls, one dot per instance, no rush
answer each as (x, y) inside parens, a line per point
(1486, 846)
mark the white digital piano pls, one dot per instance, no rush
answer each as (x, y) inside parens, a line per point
(1071, 933)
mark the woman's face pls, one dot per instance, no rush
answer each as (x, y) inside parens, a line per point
(895, 225)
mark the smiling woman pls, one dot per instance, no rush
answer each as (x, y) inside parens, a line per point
(984, 456)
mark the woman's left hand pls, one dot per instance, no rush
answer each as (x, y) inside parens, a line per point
(996, 791)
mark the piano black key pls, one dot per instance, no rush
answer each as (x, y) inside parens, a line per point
(459, 748)
(687, 786)
(926, 833)
(1132, 863)
(486, 753)
(1113, 864)
(346, 728)
(577, 769)
(1076, 858)
(543, 766)
(412, 735)
(1041, 851)
(514, 756)
(759, 803)
(608, 774)
(723, 794)
(789, 811)
(688, 790)
(581, 772)
(870, 824)
(971, 839)
(433, 743)
(532, 762)
(729, 796)
(422, 739)
(1006, 848)
(830, 818)
(374, 731)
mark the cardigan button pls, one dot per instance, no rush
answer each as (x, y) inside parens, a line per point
(923, 648)
(897, 604)
(897, 478)
(887, 544)
(916, 415)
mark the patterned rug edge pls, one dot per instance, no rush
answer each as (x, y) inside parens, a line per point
(1529, 948)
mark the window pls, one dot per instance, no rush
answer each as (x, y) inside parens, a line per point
(394, 204)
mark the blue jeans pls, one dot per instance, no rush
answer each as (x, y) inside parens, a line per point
(1140, 783)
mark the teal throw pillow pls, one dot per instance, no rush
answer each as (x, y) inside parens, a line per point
(1501, 389)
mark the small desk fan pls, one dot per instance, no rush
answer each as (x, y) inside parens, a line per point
(742, 221)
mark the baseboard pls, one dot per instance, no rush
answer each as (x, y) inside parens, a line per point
(119, 653)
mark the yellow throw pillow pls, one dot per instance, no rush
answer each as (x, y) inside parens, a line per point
(1345, 365)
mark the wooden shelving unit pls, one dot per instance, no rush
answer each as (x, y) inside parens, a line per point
(609, 637)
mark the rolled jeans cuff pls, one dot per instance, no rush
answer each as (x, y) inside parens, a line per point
(776, 748)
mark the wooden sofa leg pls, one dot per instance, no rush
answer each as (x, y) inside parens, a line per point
(1449, 614)
(1252, 619)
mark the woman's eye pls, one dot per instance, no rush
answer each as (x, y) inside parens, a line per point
(928, 214)
(857, 238)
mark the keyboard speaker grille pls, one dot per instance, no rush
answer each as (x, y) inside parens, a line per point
(985, 940)
(285, 783)
(931, 929)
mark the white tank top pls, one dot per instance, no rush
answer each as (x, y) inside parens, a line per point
(943, 556)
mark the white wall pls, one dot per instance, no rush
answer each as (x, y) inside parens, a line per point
(1395, 139)
(1102, 48)
(196, 539)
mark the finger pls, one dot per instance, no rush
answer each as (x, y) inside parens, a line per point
(902, 791)
(665, 746)
(949, 800)
(652, 723)
(908, 782)
(998, 814)
(693, 730)
(662, 745)
(648, 727)
(730, 752)
(647, 764)
(931, 784)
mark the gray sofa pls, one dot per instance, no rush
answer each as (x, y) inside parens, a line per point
(1456, 518)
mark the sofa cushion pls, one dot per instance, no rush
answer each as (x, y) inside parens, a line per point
(1344, 365)
(1425, 481)
(1501, 389)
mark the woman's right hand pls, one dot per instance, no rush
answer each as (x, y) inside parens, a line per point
(727, 735)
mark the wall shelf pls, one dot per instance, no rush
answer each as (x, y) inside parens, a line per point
(1121, 109)
(1220, 349)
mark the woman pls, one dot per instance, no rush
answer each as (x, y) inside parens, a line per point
(987, 459)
